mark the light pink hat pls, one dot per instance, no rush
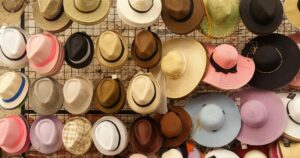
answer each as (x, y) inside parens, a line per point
(296, 81)
(228, 69)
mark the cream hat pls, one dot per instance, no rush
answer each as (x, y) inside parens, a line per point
(172, 153)
(292, 11)
(138, 156)
(255, 154)
(11, 11)
(221, 153)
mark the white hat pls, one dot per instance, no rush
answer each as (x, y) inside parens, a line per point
(138, 156)
(221, 153)
(172, 153)
(255, 154)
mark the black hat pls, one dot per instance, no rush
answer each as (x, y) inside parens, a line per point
(276, 58)
(79, 50)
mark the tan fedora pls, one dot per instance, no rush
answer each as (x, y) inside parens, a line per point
(11, 11)
(292, 11)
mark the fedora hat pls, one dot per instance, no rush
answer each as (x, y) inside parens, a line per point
(110, 95)
(76, 135)
(264, 116)
(110, 135)
(172, 153)
(296, 81)
(11, 11)
(146, 49)
(87, 12)
(45, 134)
(14, 88)
(183, 71)
(228, 69)
(78, 95)
(261, 17)
(139, 13)
(274, 56)
(290, 151)
(182, 17)
(145, 136)
(292, 11)
(13, 47)
(79, 50)
(50, 16)
(111, 50)
(222, 18)
(190, 150)
(221, 153)
(46, 96)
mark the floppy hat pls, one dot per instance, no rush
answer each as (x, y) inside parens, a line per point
(190, 150)
(76, 135)
(110, 135)
(139, 13)
(172, 153)
(274, 56)
(183, 71)
(146, 49)
(50, 16)
(264, 117)
(11, 11)
(45, 134)
(78, 95)
(216, 119)
(221, 153)
(87, 12)
(182, 17)
(292, 11)
(14, 88)
(291, 151)
(261, 17)
(296, 81)
(111, 50)
(228, 69)
(222, 18)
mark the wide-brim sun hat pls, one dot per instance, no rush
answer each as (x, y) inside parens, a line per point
(11, 11)
(296, 81)
(221, 153)
(292, 11)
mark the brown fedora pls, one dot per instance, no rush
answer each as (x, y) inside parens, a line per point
(146, 49)
(110, 95)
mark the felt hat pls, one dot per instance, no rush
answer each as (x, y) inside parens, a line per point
(222, 18)
(172, 153)
(45, 134)
(46, 96)
(190, 150)
(216, 120)
(87, 12)
(110, 95)
(221, 153)
(78, 95)
(290, 151)
(292, 11)
(11, 11)
(228, 69)
(139, 13)
(182, 17)
(79, 50)
(13, 47)
(111, 50)
(264, 116)
(146, 49)
(274, 56)
(261, 17)
(110, 135)
(296, 81)
(14, 88)
(183, 71)
(76, 135)
(50, 16)
(145, 136)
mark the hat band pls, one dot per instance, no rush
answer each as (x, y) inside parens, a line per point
(120, 56)
(139, 11)
(152, 55)
(152, 100)
(85, 11)
(13, 11)
(119, 134)
(52, 53)
(19, 92)
(288, 112)
(57, 16)
(86, 56)
(218, 68)
(187, 17)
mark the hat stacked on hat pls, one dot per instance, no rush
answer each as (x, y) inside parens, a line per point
(221, 153)
(11, 11)
(292, 11)
(172, 153)
(296, 82)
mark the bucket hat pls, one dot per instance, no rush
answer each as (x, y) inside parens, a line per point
(228, 69)
(274, 56)
(291, 151)
(172, 153)
(216, 119)
(11, 11)
(190, 150)
(292, 11)
(221, 153)
(296, 81)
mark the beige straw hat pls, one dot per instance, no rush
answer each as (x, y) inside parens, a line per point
(11, 11)
(292, 11)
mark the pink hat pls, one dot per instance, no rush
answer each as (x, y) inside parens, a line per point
(264, 117)
(296, 81)
(228, 69)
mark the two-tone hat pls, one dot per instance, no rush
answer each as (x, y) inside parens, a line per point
(11, 11)
(292, 11)
(296, 81)
(221, 153)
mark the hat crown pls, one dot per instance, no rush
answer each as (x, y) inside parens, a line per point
(9, 84)
(9, 133)
(78, 46)
(255, 154)
(143, 90)
(145, 44)
(76, 91)
(107, 135)
(219, 10)
(172, 153)
(294, 109)
(108, 92)
(178, 10)
(143, 132)
(39, 48)
(75, 130)
(211, 117)
(13, 5)
(226, 56)
(46, 131)
(141, 5)
(173, 64)
(50, 8)
(263, 11)
(44, 91)
(110, 45)
(171, 125)
(254, 114)
(13, 44)
(87, 6)
(267, 58)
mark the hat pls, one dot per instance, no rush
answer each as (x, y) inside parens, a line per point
(50, 16)
(13, 47)
(79, 50)
(76, 135)
(172, 153)
(222, 18)
(296, 82)
(183, 71)
(146, 49)
(261, 17)
(45, 134)
(221, 153)
(110, 95)
(87, 12)
(111, 50)
(11, 11)
(182, 17)
(190, 150)
(139, 13)
(264, 117)
(14, 87)
(292, 11)
(145, 136)
(228, 69)
(274, 56)
(216, 119)
(138, 156)
(252, 151)
(255, 154)
(291, 151)
(78, 95)
(110, 135)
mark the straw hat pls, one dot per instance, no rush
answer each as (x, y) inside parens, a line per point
(221, 153)
(11, 11)
(296, 82)
(172, 153)
(87, 12)
(291, 151)
(292, 11)
(50, 16)
(263, 151)
(255, 154)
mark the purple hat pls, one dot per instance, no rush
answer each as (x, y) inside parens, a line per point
(45, 134)
(264, 117)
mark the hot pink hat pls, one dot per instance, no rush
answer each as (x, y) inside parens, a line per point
(296, 81)
(228, 69)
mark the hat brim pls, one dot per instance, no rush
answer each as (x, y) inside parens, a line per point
(296, 80)
(11, 18)
(292, 12)
(221, 153)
